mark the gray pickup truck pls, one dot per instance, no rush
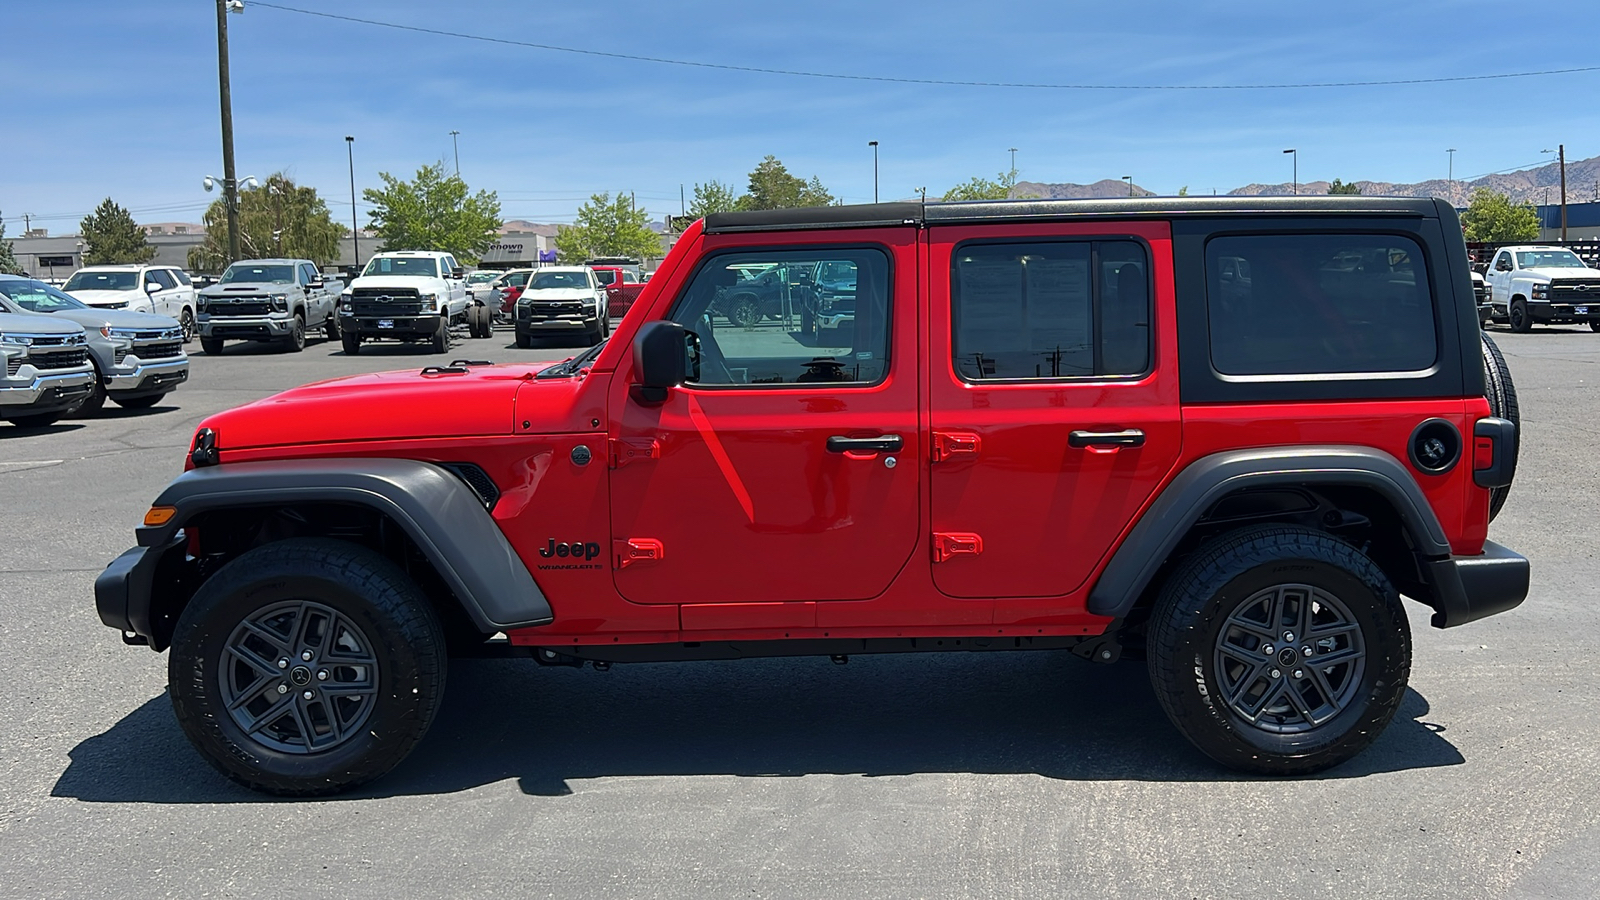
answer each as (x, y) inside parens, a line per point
(269, 300)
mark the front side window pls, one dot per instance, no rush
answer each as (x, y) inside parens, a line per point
(762, 320)
(1308, 304)
(1050, 310)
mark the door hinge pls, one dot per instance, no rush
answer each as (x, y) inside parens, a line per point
(637, 550)
(627, 450)
(949, 444)
(948, 544)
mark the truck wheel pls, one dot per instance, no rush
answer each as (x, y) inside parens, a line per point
(1279, 650)
(744, 311)
(524, 341)
(1502, 397)
(330, 326)
(306, 667)
(1521, 322)
(352, 343)
(441, 336)
(211, 346)
(145, 402)
(41, 420)
(186, 322)
(1594, 324)
(478, 320)
(96, 399)
(296, 339)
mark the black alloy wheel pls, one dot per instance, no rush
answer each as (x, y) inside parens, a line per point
(744, 311)
(1521, 322)
(296, 340)
(186, 321)
(1279, 650)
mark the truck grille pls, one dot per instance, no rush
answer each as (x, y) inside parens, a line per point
(58, 359)
(239, 306)
(1574, 291)
(13, 363)
(565, 309)
(159, 351)
(385, 302)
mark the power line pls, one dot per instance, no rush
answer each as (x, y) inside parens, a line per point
(941, 82)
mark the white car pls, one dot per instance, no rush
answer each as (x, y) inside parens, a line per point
(406, 295)
(162, 290)
(562, 300)
(1531, 285)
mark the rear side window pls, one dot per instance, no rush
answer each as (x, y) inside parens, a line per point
(183, 277)
(1050, 310)
(163, 278)
(1319, 304)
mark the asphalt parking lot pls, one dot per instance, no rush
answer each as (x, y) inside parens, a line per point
(1001, 775)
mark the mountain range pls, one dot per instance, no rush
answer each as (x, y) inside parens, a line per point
(1538, 186)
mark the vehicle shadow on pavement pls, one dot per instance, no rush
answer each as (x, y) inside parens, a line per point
(1044, 713)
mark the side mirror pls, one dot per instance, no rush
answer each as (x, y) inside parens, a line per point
(316, 284)
(665, 355)
(150, 287)
(458, 272)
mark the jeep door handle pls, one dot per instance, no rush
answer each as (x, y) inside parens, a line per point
(1131, 437)
(887, 443)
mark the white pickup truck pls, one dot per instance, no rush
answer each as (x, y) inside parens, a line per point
(1531, 285)
(405, 295)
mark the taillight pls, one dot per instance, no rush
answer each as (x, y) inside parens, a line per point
(1494, 451)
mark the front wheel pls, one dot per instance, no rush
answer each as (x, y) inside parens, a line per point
(441, 336)
(145, 402)
(1279, 650)
(351, 342)
(1521, 322)
(211, 346)
(524, 341)
(40, 420)
(296, 339)
(306, 667)
(330, 326)
(1594, 324)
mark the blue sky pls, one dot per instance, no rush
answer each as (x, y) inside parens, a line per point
(120, 98)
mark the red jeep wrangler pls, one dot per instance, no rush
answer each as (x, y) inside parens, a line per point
(1222, 435)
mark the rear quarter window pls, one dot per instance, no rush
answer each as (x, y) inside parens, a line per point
(1319, 304)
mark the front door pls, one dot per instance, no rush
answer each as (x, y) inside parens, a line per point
(1053, 399)
(1499, 278)
(788, 472)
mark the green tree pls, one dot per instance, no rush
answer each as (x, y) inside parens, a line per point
(111, 236)
(712, 197)
(1492, 217)
(1183, 191)
(1339, 187)
(608, 226)
(434, 212)
(280, 219)
(1002, 188)
(8, 258)
(772, 187)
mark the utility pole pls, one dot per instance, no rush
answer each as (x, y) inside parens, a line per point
(1129, 180)
(355, 226)
(874, 146)
(230, 185)
(27, 223)
(1450, 176)
(457, 147)
(683, 206)
(1295, 156)
(1562, 150)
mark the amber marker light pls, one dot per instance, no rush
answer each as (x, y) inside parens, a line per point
(160, 515)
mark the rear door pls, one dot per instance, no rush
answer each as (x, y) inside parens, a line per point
(1053, 399)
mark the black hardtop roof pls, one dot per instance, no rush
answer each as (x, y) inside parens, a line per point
(911, 212)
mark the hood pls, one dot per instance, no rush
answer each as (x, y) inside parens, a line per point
(106, 298)
(411, 282)
(247, 287)
(28, 323)
(95, 319)
(382, 407)
(1566, 274)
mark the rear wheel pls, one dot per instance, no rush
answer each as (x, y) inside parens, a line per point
(1502, 397)
(352, 343)
(1279, 650)
(211, 346)
(744, 311)
(1521, 322)
(306, 667)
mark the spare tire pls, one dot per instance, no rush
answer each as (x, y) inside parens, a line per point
(1502, 397)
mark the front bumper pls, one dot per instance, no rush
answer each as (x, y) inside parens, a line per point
(149, 378)
(246, 327)
(46, 393)
(1468, 588)
(122, 594)
(412, 327)
(1545, 311)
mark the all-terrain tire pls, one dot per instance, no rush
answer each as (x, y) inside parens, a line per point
(374, 597)
(211, 346)
(1195, 634)
(1502, 397)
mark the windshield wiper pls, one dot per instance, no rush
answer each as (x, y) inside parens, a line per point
(570, 367)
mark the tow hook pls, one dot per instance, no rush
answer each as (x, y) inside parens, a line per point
(1102, 649)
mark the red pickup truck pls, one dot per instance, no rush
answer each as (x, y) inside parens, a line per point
(622, 288)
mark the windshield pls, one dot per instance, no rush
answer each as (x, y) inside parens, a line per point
(482, 277)
(545, 281)
(102, 281)
(1549, 259)
(36, 296)
(412, 266)
(250, 272)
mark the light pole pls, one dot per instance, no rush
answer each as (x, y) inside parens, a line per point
(1294, 156)
(457, 147)
(1129, 180)
(1450, 176)
(874, 146)
(230, 188)
(1013, 159)
(355, 226)
(1561, 149)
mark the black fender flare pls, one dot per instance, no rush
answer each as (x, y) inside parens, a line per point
(1208, 479)
(437, 510)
